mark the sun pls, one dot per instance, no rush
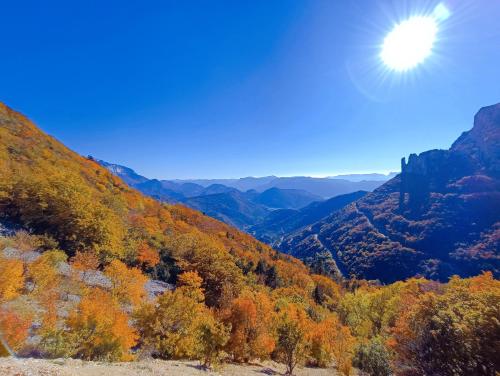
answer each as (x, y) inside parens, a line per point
(409, 43)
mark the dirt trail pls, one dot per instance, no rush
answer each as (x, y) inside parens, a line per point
(72, 367)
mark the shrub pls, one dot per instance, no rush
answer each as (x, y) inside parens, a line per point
(373, 358)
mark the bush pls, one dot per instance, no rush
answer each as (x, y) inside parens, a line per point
(373, 358)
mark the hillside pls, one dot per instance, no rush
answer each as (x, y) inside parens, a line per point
(323, 187)
(84, 259)
(286, 198)
(222, 202)
(78, 205)
(286, 221)
(440, 216)
(232, 207)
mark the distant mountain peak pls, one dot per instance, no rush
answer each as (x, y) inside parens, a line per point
(128, 175)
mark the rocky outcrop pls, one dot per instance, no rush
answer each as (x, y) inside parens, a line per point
(440, 216)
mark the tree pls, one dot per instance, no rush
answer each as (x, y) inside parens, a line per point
(250, 317)
(273, 279)
(11, 278)
(171, 327)
(453, 332)
(147, 256)
(44, 273)
(98, 329)
(127, 283)
(14, 328)
(292, 346)
(331, 341)
(85, 261)
(373, 358)
(213, 337)
(222, 279)
(326, 292)
(190, 284)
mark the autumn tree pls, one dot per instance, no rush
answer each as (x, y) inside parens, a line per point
(44, 273)
(222, 279)
(171, 328)
(190, 284)
(326, 292)
(213, 336)
(99, 330)
(332, 342)
(292, 346)
(14, 328)
(84, 262)
(127, 283)
(250, 317)
(11, 278)
(147, 257)
(454, 332)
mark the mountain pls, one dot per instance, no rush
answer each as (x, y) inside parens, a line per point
(245, 209)
(286, 198)
(231, 207)
(128, 175)
(439, 217)
(74, 204)
(365, 177)
(215, 189)
(285, 221)
(241, 184)
(160, 191)
(228, 204)
(323, 187)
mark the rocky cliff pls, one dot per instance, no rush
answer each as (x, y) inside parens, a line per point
(440, 216)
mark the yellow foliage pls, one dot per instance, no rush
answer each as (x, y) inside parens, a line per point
(11, 278)
(43, 271)
(99, 329)
(127, 283)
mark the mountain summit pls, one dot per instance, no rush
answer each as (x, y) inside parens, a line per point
(439, 217)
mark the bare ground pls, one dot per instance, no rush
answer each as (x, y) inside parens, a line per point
(71, 367)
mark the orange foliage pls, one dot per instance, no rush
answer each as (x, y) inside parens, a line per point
(100, 328)
(84, 261)
(190, 284)
(127, 283)
(251, 317)
(11, 278)
(147, 256)
(14, 328)
(326, 291)
(43, 271)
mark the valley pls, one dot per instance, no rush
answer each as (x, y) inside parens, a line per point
(93, 269)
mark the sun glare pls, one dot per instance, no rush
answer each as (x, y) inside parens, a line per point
(409, 43)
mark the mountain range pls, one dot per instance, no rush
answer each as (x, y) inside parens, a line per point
(269, 208)
(73, 204)
(323, 188)
(439, 217)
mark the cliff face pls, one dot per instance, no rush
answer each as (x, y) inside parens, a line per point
(440, 216)
(482, 143)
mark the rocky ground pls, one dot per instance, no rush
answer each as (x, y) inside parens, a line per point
(71, 367)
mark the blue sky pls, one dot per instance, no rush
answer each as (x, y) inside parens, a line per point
(198, 89)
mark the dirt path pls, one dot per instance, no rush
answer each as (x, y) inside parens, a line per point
(71, 367)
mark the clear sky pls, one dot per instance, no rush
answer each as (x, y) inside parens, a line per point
(197, 89)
